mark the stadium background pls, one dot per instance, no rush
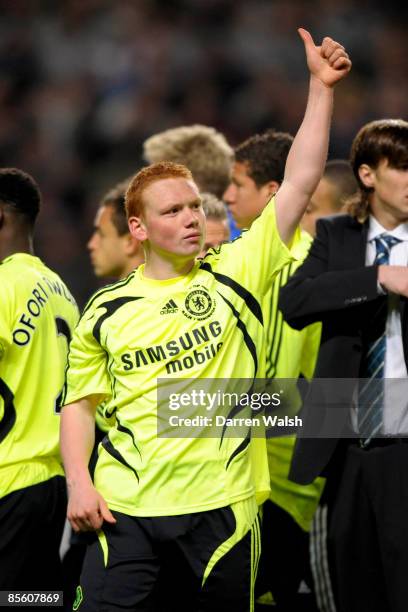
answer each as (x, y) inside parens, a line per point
(84, 82)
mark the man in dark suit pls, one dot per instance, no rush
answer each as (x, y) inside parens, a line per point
(355, 280)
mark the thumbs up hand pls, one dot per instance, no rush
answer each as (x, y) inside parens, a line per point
(329, 63)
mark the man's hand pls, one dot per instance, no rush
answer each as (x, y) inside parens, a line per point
(328, 63)
(394, 279)
(87, 510)
(308, 153)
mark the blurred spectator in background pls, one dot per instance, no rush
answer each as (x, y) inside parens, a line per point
(204, 151)
(114, 252)
(84, 83)
(216, 222)
(336, 186)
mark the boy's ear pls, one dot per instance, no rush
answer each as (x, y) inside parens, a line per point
(273, 187)
(270, 188)
(137, 228)
(367, 175)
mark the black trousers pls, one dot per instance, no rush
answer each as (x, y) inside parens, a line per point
(321, 554)
(284, 561)
(161, 564)
(369, 530)
(31, 526)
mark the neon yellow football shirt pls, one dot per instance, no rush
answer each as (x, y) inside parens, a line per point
(37, 317)
(207, 325)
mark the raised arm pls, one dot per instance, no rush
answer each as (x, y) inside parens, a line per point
(328, 64)
(86, 507)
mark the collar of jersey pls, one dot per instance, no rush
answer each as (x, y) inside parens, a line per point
(153, 282)
(21, 257)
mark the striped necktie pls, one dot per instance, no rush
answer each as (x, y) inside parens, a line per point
(371, 392)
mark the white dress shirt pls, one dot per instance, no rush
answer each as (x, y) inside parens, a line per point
(395, 392)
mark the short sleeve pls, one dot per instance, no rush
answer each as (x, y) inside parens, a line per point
(87, 372)
(256, 256)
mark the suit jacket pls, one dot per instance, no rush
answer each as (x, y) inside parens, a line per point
(336, 287)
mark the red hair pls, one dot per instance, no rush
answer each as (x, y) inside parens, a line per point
(155, 172)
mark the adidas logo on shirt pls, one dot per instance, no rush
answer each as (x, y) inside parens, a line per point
(169, 308)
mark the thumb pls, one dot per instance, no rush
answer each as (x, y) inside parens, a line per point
(105, 512)
(307, 38)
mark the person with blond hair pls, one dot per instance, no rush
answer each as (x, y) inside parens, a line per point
(217, 230)
(201, 148)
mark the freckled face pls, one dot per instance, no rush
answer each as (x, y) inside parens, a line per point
(173, 218)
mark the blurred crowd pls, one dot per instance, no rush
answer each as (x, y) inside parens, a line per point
(84, 82)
